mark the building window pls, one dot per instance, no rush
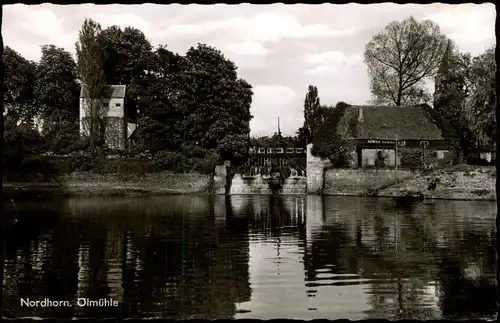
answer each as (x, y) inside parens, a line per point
(118, 105)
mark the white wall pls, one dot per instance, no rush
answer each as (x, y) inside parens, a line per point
(114, 111)
(369, 156)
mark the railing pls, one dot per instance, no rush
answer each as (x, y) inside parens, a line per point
(277, 151)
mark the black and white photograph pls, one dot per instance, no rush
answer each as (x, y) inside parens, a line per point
(273, 161)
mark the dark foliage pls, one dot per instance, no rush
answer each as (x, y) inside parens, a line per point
(327, 143)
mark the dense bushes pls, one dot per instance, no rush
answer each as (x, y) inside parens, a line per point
(412, 158)
(327, 143)
(179, 163)
(381, 159)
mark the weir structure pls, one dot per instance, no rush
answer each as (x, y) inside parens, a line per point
(270, 169)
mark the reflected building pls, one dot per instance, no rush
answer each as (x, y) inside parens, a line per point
(277, 226)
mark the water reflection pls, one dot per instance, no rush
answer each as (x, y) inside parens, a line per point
(254, 257)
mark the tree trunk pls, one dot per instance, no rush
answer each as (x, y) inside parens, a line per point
(102, 130)
(92, 138)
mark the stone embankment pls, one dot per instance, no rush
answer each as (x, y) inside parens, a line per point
(461, 182)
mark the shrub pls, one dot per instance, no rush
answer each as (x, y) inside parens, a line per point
(81, 162)
(123, 166)
(477, 161)
(174, 161)
(206, 165)
(412, 158)
(381, 159)
(38, 165)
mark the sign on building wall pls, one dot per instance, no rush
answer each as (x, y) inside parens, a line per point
(386, 142)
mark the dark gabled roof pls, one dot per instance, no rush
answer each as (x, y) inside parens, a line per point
(110, 91)
(385, 122)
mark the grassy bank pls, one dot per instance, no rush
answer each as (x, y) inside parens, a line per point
(92, 184)
(361, 182)
(462, 182)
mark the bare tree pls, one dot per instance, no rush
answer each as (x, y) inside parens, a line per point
(400, 58)
(90, 62)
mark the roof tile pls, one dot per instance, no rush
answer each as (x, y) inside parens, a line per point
(111, 91)
(385, 122)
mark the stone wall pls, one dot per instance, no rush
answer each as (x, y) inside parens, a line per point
(314, 169)
(115, 132)
(359, 181)
(258, 185)
(220, 180)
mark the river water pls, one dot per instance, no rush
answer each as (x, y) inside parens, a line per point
(259, 257)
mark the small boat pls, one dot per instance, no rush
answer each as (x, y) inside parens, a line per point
(409, 197)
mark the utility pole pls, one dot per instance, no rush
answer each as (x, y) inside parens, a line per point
(396, 159)
(2, 121)
(3, 218)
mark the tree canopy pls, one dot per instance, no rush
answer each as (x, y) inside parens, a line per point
(400, 58)
(18, 86)
(57, 94)
(311, 107)
(465, 99)
(327, 142)
(481, 108)
(128, 60)
(196, 99)
(90, 61)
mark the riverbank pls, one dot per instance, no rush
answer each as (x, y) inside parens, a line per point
(462, 182)
(92, 184)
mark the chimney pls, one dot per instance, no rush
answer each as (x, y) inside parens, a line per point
(360, 116)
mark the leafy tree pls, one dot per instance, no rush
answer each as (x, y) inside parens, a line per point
(2, 121)
(303, 136)
(215, 102)
(273, 141)
(18, 87)
(161, 125)
(20, 141)
(452, 92)
(327, 143)
(480, 108)
(128, 59)
(233, 147)
(57, 94)
(400, 58)
(193, 101)
(311, 107)
(90, 54)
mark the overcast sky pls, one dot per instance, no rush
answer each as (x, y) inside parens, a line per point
(279, 49)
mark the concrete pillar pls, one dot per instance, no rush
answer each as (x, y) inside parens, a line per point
(220, 180)
(315, 173)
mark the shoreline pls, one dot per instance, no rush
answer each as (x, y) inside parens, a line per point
(38, 190)
(463, 183)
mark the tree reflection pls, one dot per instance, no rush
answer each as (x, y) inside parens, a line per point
(188, 257)
(172, 262)
(403, 255)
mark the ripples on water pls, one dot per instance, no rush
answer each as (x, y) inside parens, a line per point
(254, 257)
